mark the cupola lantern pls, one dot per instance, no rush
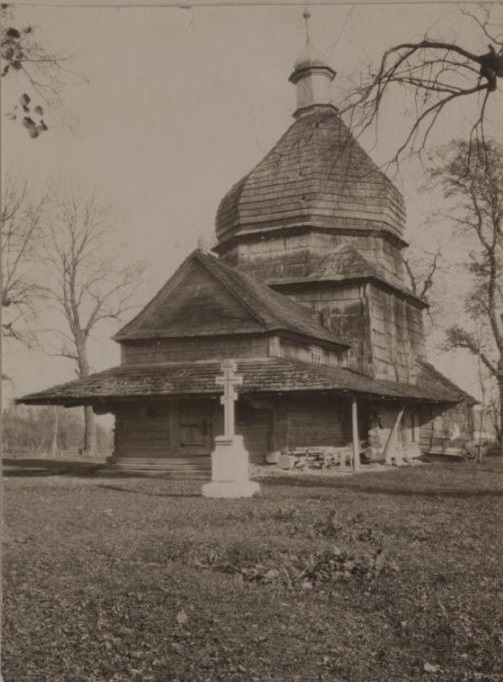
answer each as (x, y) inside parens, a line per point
(312, 76)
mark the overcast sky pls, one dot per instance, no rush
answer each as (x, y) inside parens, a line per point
(168, 107)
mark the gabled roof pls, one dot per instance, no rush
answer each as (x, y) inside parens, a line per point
(344, 262)
(207, 297)
(316, 175)
(262, 375)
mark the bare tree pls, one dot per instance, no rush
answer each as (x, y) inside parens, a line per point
(421, 267)
(472, 179)
(21, 218)
(494, 416)
(439, 74)
(86, 284)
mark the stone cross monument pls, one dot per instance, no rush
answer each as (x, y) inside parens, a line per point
(229, 459)
(229, 380)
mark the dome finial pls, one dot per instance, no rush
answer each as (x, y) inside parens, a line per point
(307, 15)
(202, 244)
(311, 74)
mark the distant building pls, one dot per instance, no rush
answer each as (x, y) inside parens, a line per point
(306, 291)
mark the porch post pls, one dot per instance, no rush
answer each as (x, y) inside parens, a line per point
(356, 437)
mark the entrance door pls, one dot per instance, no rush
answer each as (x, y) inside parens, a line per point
(196, 431)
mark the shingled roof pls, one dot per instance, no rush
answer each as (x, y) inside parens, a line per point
(342, 264)
(316, 175)
(265, 375)
(429, 378)
(207, 297)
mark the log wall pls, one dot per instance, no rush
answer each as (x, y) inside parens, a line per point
(146, 430)
(188, 428)
(316, 422)
(179, 428)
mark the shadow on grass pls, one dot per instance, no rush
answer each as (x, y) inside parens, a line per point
(120, 489)
(38, 466)
(360, 487)
(41, 466)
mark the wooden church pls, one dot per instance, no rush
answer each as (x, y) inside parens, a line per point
(306, 291)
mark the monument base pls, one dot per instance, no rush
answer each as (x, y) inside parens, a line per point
(230, 489)
(229, 470)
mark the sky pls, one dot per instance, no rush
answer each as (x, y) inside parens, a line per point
(165, 108)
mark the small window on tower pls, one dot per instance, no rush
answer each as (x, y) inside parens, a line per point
(315, 355)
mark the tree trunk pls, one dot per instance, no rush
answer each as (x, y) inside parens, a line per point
(89, 448)
(500, 389)
(89, 445)
(55, 432)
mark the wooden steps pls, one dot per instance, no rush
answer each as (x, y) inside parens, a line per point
(196, 467)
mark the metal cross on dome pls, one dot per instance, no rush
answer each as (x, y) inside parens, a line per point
(229, 380)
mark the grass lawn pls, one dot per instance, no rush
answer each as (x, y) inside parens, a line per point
(380, 577)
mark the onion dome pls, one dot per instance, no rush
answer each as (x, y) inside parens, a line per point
(318, 176)
(311, 58)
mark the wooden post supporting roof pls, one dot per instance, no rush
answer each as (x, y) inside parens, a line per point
(392, 435)
(356, 437)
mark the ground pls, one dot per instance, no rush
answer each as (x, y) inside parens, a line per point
(380, 576)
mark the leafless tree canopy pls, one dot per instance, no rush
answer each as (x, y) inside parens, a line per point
(440, 75)
(473, 179)
(421, 267)
(20, 233)
(85, 281)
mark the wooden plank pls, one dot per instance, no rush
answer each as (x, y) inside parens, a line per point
(392, 435)
(356, 437)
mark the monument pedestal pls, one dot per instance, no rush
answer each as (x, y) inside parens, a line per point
(229, 470)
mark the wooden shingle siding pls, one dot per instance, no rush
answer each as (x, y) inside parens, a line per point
(315, 255)
(192, 303)
(429, 376)
(318, 172)
(343, 309)
(299, 351)
(396, 336)
(207, 298)
(180, 350)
